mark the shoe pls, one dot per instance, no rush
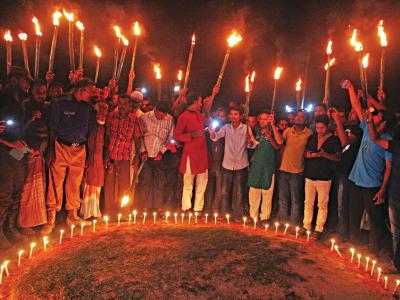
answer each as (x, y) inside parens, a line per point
(317, 235)
(27, 231)
(51, 223)
(4, 242)
(73, 219)
(12, 232)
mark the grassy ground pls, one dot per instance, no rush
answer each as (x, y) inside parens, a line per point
(196, 262)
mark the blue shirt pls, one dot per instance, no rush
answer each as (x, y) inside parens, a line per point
(369, 167)
(394, 185)
(72, 120)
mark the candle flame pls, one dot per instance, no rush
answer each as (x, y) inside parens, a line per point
(247, 88)
(157, 70)
(382, 34)
(193, 39)
(97, 51)
(69, 16)
(329, 48)
(365, 60)
(253, 76)
(37, 27)
(117, 31)
(125, 201)
(23, 36)
(125, 41)
(278, 72)
(332, 61)
(7, 36)
(298, 85)
(79, 25)
(56, 18)
(233, 39)
(180, 75)
(136, 29)
(355, 43)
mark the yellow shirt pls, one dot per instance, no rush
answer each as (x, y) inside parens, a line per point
(293, 154)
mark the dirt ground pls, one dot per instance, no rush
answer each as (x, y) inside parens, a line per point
(186, 262)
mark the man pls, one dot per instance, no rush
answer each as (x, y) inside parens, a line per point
(194, 162)
(55, 92)
(121, 129)
(262, 172)
(252, 122)
(292, 167)
(235, 163)
(322, 150)
(283, 124)
(157, 128)
(370, 177)
(71, 123)
(12, 166)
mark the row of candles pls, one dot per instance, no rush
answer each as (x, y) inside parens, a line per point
(371, 265)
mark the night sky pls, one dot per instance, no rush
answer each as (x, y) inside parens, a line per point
(284, 32)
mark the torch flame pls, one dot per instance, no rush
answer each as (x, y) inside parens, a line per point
(23, 36)
(356, 44)
(298, 85)
(125, 201)
(382, 34)
(125, 41)
(365, 60)
(117, 31)
(97, 51)
(247, 88)
(233, 39)
(37, 27)
(7, 36)
(69, 16)
(193, 39)
(157, 70)
(79, 25)
(180, 75)
(56, 18)
(278, 72)
(329, 48)
(136, 29)
(332, 61)
(253, 76)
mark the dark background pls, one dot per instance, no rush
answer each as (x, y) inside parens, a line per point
(283, 32)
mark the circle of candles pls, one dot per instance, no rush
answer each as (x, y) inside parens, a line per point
(255, 223)
(308, 235)
(332, 244)
(129, 219)
(276, 227)
(297, 231)
(33, 245)
(82, 226)
(358, 260)
(182, 217)
(144, 217)
(166, 217)
(215, 218)
(366, 263)
(154, 217)
(134, 216)
(206, 218)
(72, 230)
(106, 220)
(176, 218)
(286, 228)
(227, 218)
(379, 274)
(190, 216)
(195, 217)
(20, 252)
(94, 225)
(61, 236)
(119, 219)
(45, 242)
(373, 267)
(352, 250)
(244, 222)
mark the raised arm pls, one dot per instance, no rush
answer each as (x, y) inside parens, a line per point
(354, 101)
(209, 101)
(278, 136)
(375, 137)
(343, 137)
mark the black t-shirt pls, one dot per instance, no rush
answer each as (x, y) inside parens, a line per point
(11, 110)
(349, 152)
(394, 186)
(321, 168)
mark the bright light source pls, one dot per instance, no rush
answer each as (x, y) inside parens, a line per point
(310, 108)
(288, 109)
(177, 88)
(143, 90)
(10, 122)
(215, 124)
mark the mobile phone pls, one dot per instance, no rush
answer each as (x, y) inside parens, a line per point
(344, 83)
(8, 122)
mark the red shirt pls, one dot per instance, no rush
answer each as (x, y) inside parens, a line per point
(194, 147)
(121, 133)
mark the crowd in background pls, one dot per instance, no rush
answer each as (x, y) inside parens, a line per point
(80, 149)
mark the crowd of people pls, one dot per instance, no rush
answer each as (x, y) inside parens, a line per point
(83, 150)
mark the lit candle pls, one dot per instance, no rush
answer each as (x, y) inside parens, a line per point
(72, 230)
(182, 217)
(134, 216)
(190, 216)
(193, 42)
(373, 267)
(5, 264)
(384, 43)
(244, 222)
(81, 28)
(379, 274)
(37, 51)
(124, 201)
(144, 218)
(125, 42)
(98, 55)
(337, 250)
(82, 226)
(397, 285)
(45, 242)
(276, 227)
(358, 260)
(227, 218)
(352, 250)
(70, 18)
(286, 228)
(56, 22)
(154, 217)
(332, 244)
(106, 220)
(277, 76)
(116, 51)
(215, 218)
(1, 273)
(366, 263)
(119, 219)
(195, 217)
(20, 253)
(266, 227)
(255, 224)
(176, 218)
(157, 71)
(61, 236)
(233, 39)
(23, 37)
(94, 225)
(167, 214)
(33, 245)
(297, 231)
(129, 219)
(386, 282)
(206, 218)
(308, 235)
(8, 39)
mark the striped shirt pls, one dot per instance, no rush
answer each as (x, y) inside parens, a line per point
(157, 133)
(121, 133)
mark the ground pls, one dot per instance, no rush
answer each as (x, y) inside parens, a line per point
(186, 262)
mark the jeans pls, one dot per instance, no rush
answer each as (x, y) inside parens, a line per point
(233, 181)
(343, 195)
(394, 216)
(290, 195)
(212, 197)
